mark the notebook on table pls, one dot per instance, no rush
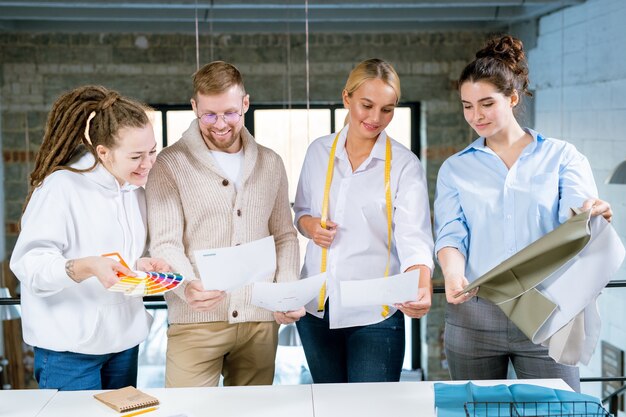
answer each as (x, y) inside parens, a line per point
(126, 399)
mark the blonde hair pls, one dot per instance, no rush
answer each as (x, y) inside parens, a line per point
(371, 69)
(215, 78)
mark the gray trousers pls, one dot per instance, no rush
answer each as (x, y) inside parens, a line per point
(480, 340)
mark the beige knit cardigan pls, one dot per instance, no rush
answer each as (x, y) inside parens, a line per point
(192, 206)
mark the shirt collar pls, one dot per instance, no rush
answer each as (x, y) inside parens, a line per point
(378, 151)
(479, 144)
(537, 138)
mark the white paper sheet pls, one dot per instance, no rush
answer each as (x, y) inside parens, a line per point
(286, 296)
(380, 291)
(228, 269)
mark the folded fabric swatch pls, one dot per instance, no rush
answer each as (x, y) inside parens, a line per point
(489, 401)
(481, 401)
(525, 400)
(540, 288)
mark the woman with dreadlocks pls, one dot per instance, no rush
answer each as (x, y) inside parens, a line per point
(86, 200)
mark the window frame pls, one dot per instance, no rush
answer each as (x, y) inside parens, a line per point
(332, 106)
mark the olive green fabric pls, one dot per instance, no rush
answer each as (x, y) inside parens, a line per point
(511, 284)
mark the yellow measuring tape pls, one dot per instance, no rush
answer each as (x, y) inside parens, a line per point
(324, 217)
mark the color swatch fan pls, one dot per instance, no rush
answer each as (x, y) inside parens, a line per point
(145, 283)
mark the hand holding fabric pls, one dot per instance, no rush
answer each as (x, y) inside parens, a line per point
(598, 208)
(455, 285)
(453, 266)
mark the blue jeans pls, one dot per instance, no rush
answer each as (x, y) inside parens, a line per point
(70, 371)
(371, 353)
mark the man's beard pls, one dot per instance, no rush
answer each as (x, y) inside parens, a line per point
(218, 144)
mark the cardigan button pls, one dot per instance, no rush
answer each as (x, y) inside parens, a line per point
(225, 182)
(239, 212)
(235, 314)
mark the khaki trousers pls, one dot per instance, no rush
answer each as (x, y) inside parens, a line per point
(198, 353)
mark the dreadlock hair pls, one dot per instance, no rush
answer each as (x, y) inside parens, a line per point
(79, 121)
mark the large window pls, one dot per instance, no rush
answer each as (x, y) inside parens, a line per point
(169, 123)
(289, 131)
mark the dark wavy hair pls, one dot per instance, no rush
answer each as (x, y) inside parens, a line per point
(502, 63)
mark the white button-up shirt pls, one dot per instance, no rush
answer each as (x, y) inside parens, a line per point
(357, 205)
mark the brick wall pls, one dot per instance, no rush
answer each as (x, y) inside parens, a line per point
(35, 69)
(578, 71)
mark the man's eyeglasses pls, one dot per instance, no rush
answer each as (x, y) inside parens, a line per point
(229, 117)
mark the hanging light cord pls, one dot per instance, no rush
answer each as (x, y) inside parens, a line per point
(288, 62)
(306, 49)
(211, 28)
(197, 40)
(288, 83)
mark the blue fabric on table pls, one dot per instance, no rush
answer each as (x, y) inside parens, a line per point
(528, 400)
(449, 399)
(494, 400)
(580, 404)
(535, 400)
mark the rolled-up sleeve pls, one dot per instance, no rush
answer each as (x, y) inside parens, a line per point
(450, 224)
(576, 183)
(413, 230)
(302, 205)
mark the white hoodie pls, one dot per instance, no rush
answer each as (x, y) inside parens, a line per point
(71, 216)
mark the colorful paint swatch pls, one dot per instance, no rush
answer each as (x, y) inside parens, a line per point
(148, 283)
(160, 282)
(145, 283)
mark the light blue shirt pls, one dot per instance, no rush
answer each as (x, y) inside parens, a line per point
(489, 212)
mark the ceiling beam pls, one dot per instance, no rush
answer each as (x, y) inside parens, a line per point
(245, 15)
(286, 4)
(205, 28)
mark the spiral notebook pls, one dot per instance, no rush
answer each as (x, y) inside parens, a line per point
(126, 399)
